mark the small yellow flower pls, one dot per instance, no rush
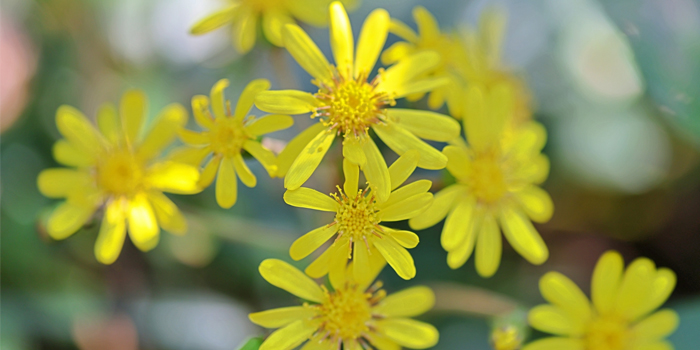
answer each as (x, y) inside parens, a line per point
(244, 16)
(354, 315)
(116, 167)
(348, 103)
(506, 337)
(497, 174)
(357, 223)
(227, 134)
(429, 38)
(620, 316)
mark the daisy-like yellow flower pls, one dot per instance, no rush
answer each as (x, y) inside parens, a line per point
(620, 315)
(429, 37)
(497, 174)
(244, 16)
(356, 226)
(227, 134)
(115, 167)
(349, 104)
(353, 315)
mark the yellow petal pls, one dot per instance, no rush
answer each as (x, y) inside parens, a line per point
(169, 216)
(305, 52)
(381, 342)
(361, 268)
(408, 69)
(76, 128)
(403, 167)
(143, 226)
(342, 42)
(281, 317)
(352, 177)
(68, 154)
(285, 101)
(247, 98)
(424, 124)
(352, 150)
(409, 333)
(488, 247)
(458, 161)
(402, 141)
(321, 266)
(209, 172)
(523, 236)
(405, 192)
(491, 29)
(660, 345)
(464, 249)
(214, 21)
(273, 22)
(403, 31)
(218, 104)
(443, 201)
(406, 239)
(606, 280)
(132, 108)
(556, 343)
(226, 184)
(560, 291)
(437, 98)
(290, 336)
(662, 286)
(375, 170)
(458, 223)
(396, 52)
(245, 29)
(409, 302)
(62, 182)
(174, 177)
(372, 38)
(68, 218)
(109, 124)
(657, 326)
(200, 109)
(304, 197)
(428, 28)
(194, 138)
(635, 287)
(110, 240)
(552, 319)
(263, 155)
(311, 241)
(189, 155)
(164, 130)
(269, 123)
(418, 88)
(308, 160)
(536, 203)
(244, 173)
(282, 275)
(290, 153)
(407, 208)
(397, 256)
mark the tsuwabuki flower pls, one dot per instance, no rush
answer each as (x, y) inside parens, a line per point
(352, 315)
(357, 230)
(117, 169)
(621, 316)
(349, 103)
(244, 16)
(227, 134)
(497, 175)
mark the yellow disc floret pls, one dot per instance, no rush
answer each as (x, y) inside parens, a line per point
(345, 313)
(357, 217)
(608, 333)
(487, 179)
(227, 136)
(120, 173)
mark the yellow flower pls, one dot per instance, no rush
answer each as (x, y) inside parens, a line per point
(353, 315)
(357, 223)
(348, 103)
(497, 174)
(506, 337)
(228, 133)
(429, 37)
(244, 16)
(116, 167)
(620, 316)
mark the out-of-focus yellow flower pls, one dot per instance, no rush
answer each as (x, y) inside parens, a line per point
(244, 16)
(429, 38)
(497, 174)
(116, 167)
(357, 223)
(620, 316)
(506, 337)
(348, 103)
(353, 315)
(227, 134)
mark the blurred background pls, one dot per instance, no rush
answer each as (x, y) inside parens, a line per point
(615, 82)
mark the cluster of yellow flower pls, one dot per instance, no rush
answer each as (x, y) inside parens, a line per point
(497, 169)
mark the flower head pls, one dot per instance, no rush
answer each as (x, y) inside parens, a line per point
(244, 16)
(497, 173)
(116, 168)
(354, 315)
(359, 235)
(349, 103)
(621, 316)
(227, 134)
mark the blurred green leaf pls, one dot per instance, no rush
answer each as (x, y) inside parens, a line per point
(252, 344)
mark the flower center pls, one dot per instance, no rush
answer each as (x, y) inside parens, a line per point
(357, 216)
(345, 313)
(351, 106)
(120, 173)
(227, 137)
(608, 333)
(487, 179)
